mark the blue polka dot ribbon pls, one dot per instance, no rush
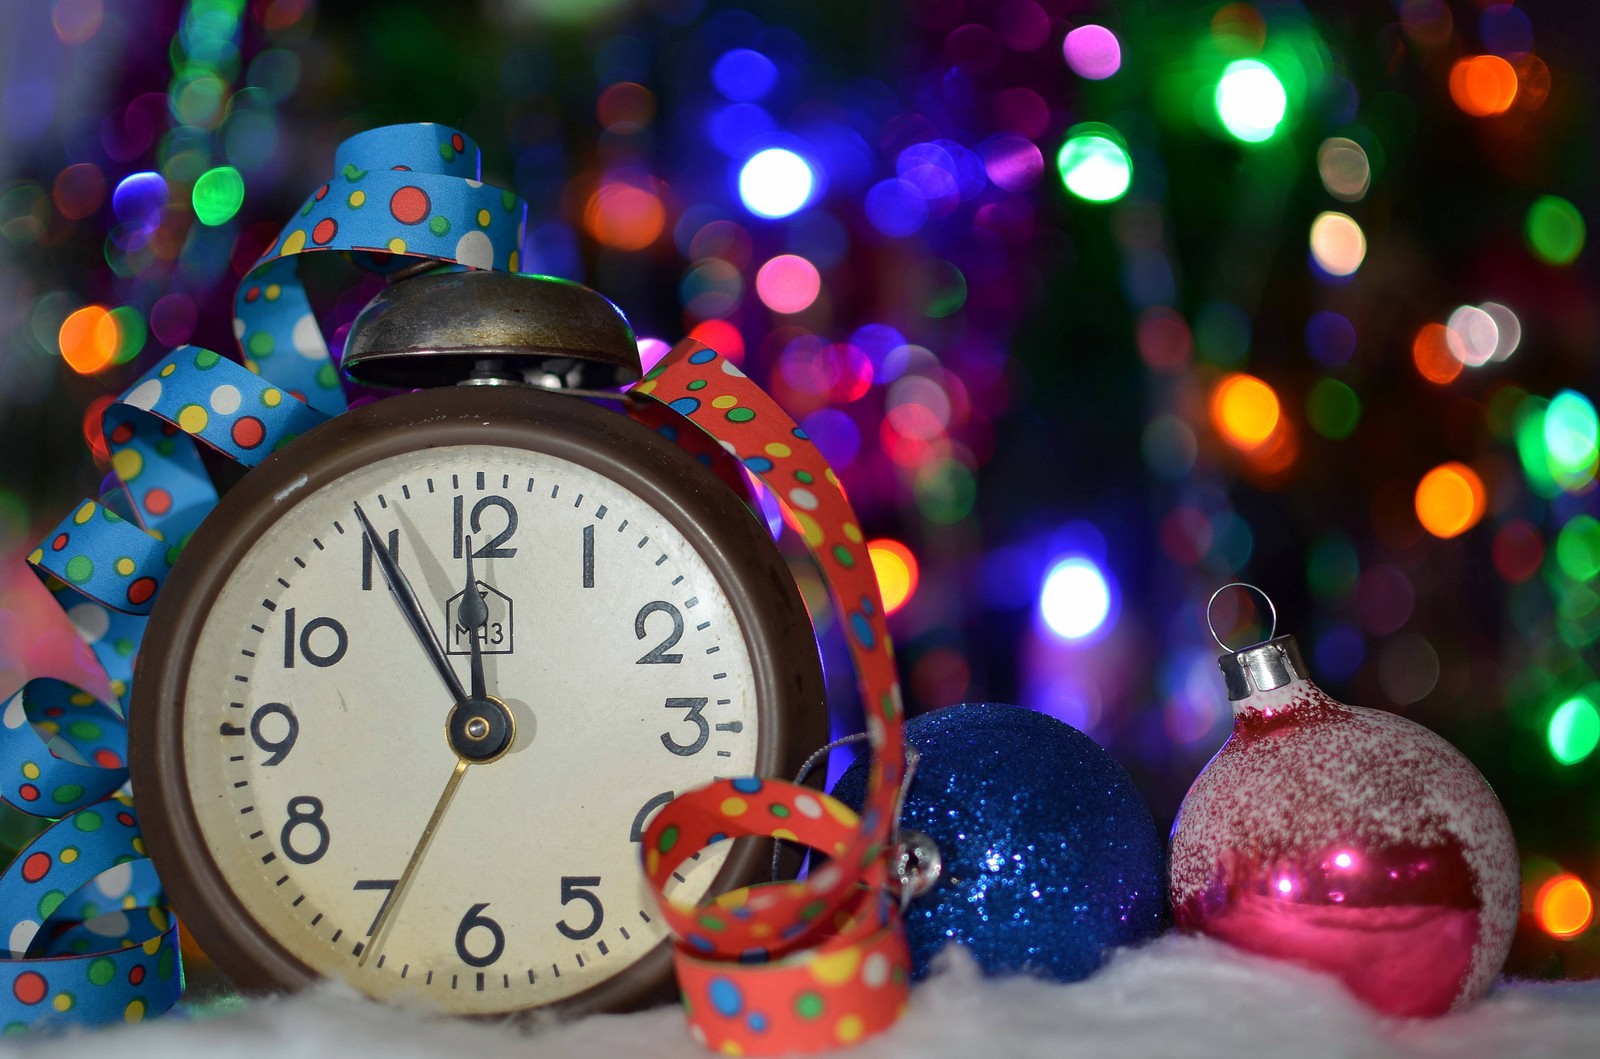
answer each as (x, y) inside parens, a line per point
(96, 953)
(412, 191)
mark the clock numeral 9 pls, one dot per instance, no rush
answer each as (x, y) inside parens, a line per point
(658, 654)
(277, 749)
(492, 548)
(474, 920)
(579, 888)
(695, 717)
(320, 659)
(304, 812)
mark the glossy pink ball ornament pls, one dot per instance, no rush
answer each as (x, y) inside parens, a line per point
(1347, 840)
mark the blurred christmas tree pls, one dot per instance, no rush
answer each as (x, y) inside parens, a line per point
(1094, 306)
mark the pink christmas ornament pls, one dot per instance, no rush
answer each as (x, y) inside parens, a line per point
(1348, 840)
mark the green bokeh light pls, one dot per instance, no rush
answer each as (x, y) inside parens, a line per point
(1555, 230)
(131, 333)
(945, 491)
(1333, 409)
(1531, 450)
(218, 194)
(1093, 163)
(1574, 730)
(1578, 548)
(1333, 565)
(1572, 439)
(1251, 100)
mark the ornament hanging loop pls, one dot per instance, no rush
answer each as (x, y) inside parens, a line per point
(1272, 610)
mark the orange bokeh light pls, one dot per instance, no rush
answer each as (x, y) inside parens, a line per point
(1450, 500)
(89, 339)
(1483, 85)
(1564, 906)
(624, 216)
(1430, 352)
(1245, 411)
(897, 572)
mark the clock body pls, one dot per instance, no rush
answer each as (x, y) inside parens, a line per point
(288, 739)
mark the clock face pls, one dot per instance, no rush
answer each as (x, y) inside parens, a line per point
(314, 741)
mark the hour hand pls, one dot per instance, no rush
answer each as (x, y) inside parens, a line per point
(473, 615)
(411, 608)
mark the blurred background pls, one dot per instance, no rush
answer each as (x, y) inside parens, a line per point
(1095, 307)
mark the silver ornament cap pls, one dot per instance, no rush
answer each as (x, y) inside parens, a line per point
(1262, 667)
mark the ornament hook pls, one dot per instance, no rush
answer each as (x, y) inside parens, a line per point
(1272, 610)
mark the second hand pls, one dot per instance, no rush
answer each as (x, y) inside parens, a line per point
(416, 858)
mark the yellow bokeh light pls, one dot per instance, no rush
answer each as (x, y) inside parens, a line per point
(1337, 243)
(1245, 411)
(89, 339)
(1564, 906)
(1450, 500)
(897, 572)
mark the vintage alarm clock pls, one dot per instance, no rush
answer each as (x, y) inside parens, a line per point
(415, 687)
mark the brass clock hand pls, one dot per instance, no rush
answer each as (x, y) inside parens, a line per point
(416, 858)
(411, 608)
(474, 614)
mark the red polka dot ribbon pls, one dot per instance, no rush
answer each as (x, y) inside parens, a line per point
(813, 964)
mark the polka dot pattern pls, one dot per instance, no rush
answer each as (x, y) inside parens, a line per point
(60, 749)
(829, 962)
(412, 190)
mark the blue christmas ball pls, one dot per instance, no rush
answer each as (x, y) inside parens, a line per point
(1050, 857)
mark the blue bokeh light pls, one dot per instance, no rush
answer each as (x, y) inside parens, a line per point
(896, 207)
(1075, 599)
(736, 128)
(743, 75)
(776, 183)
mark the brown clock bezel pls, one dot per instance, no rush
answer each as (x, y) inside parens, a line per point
(735, 546)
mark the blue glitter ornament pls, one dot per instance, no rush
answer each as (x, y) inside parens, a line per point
(1050, 857)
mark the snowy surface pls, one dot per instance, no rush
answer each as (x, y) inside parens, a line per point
(1178, 997)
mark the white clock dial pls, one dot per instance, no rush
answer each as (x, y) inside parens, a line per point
(315, 747)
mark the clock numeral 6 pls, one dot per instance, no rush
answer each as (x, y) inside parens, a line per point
(475, 920)
(578, 888)
(695, 717)
(491, 549)
(308, 650)
(304, 812)
(658, 654)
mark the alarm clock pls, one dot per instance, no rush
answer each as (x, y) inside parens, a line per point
(415, 687)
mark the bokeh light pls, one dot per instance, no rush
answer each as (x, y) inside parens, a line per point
(897, 572)
(1251, 100)
(1346, 173)
(1093, 163)
(1244, 410)
(1574, 730)
(788, 283)
(1333, 409)
(1555, 230)
(1450, 499)
(743, 75)
(1508, 329)
(89, 339)
(1092, 52)
(1430, 353)
(1572, 439)
(1337, 243)
(1483, 85)
(1564, 906)
(217, 195)
(1472, 336)
(775, 183)
(1075, 599)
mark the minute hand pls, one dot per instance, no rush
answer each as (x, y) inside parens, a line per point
(411, 608)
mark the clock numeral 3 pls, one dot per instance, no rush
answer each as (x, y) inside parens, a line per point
(658, 654)
(304, 812)
(491, 549)
(366, 557)
(580, 888)
(277, 749)
(475, 920)
(695, 717)
(320, 659)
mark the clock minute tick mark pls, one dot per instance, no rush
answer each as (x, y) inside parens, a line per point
(338, 527)
(405, 491)
(337, 935)
(677, 579)
(578, 502)
(382, 502)
(505, 482)
(602, 947)
(318, 543)
(258, 628)
(282, 582)
(554, 489)
(662, 559)
(691, 602)
(301, 563)
(269, 604)
(600, 512)
(281, 881)
(702, 627)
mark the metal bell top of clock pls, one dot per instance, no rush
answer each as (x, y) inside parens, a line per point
(492, 328)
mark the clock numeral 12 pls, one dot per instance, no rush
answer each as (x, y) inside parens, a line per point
(492, 548)
(311, 654)
(581, 888)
